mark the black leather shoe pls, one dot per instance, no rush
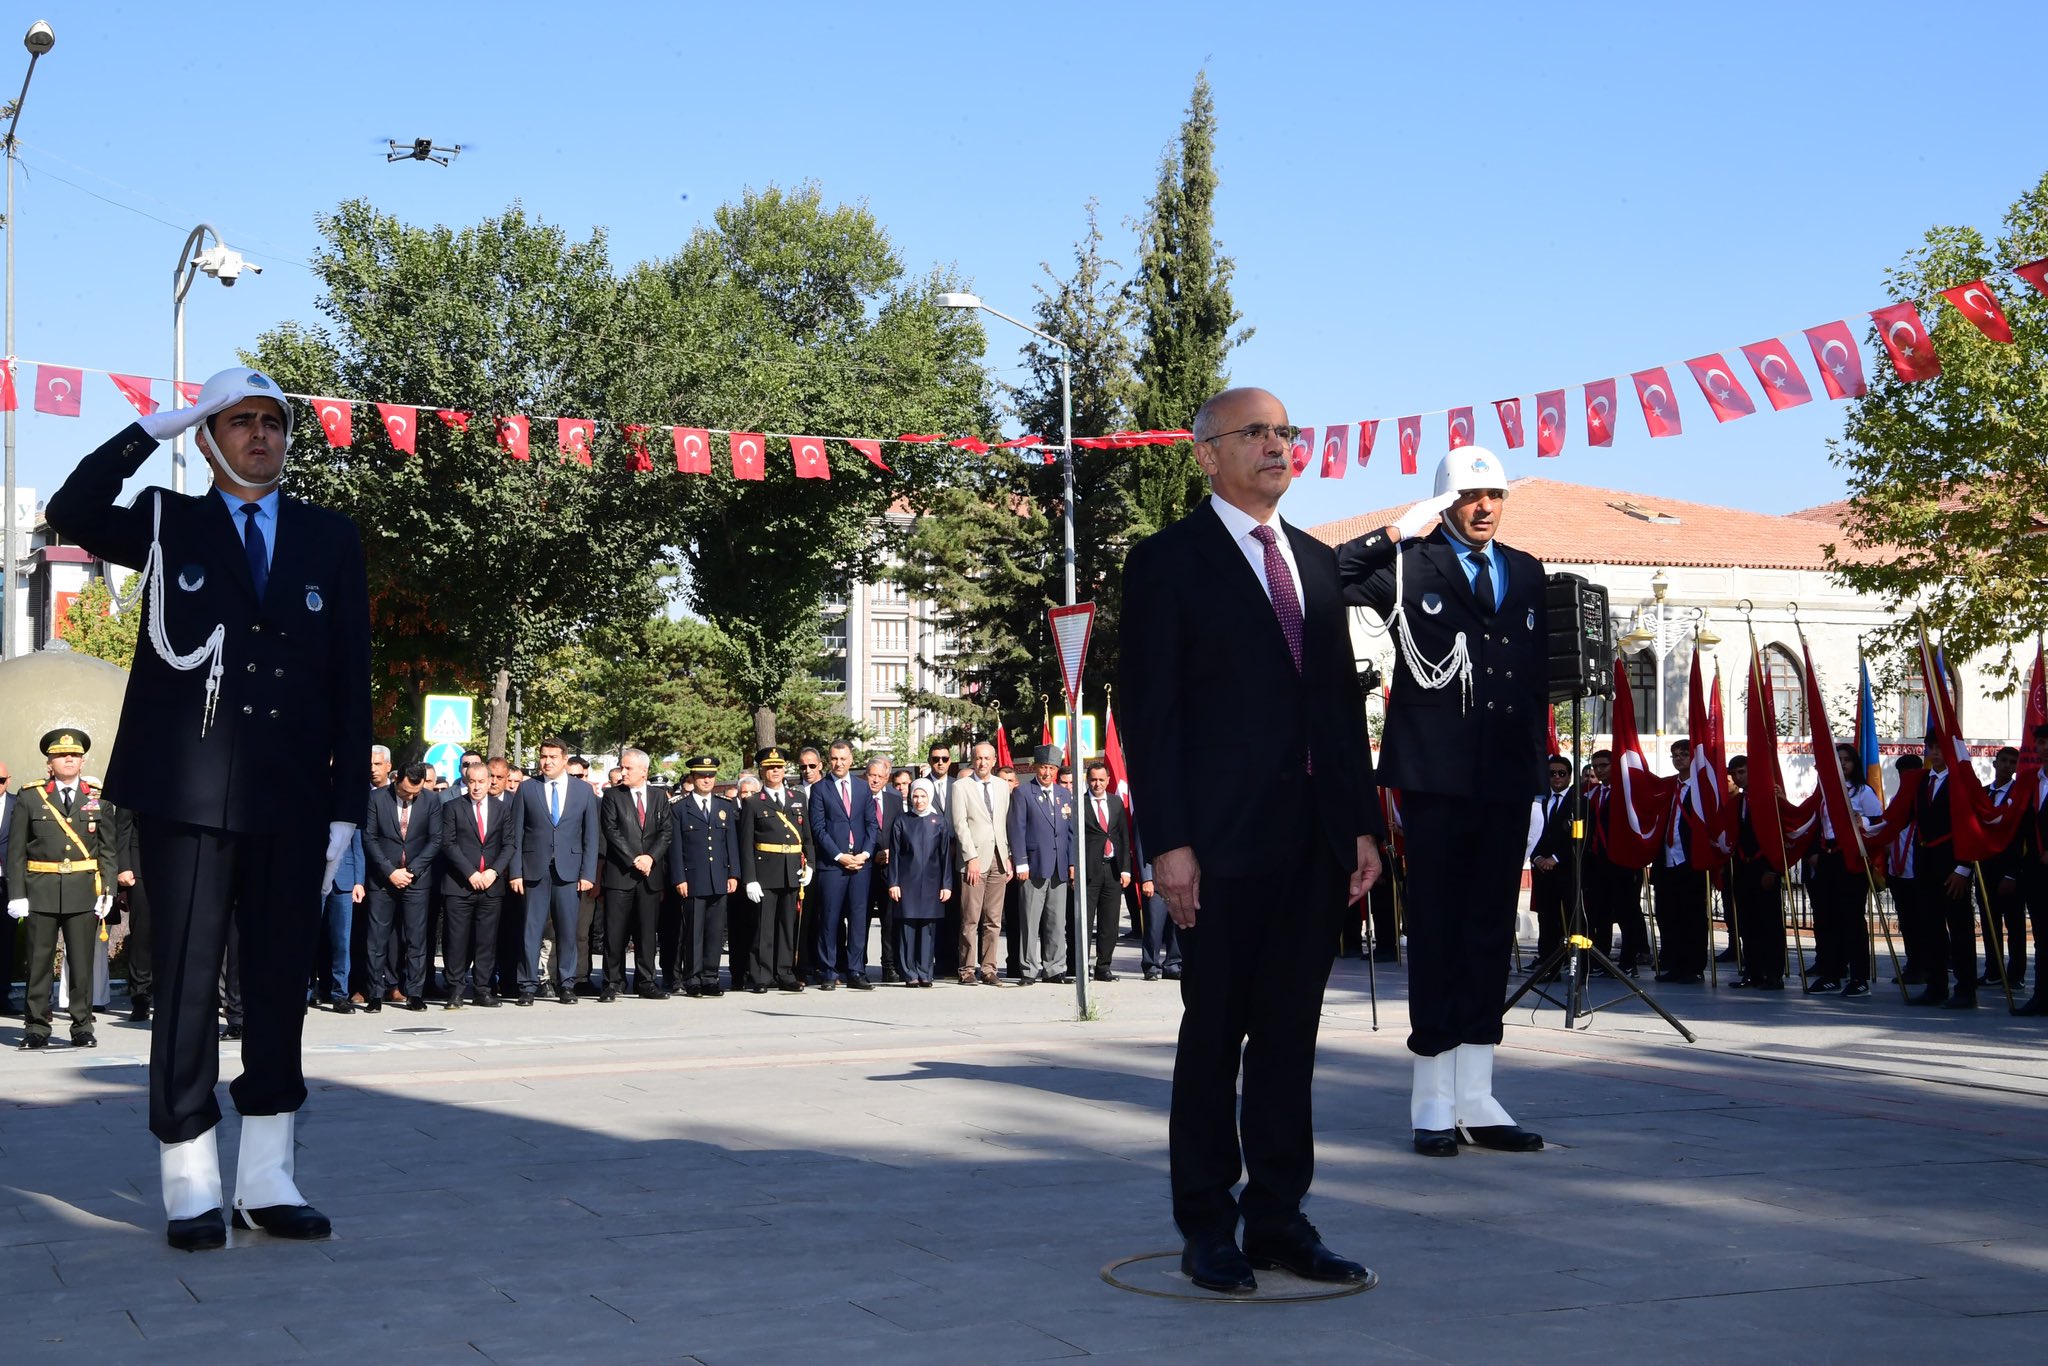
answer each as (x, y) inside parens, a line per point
(415, 1003)
(285, 1221)
(565, 996)
(859, 983)
(2034, 1006)
(1103, 975)
(1960, 1002)
(488, 1000)
(607, 996)
(1933, 996)
(1301, 1252)
(200, 1233)
(343, 1007)
(525, 998)
(756, 989)
(1436, 1142)
(693, 990)
(1768, 983)
(231, 1032)
(31, 1042)
(1215, 1263)
(1151, 974)
(714, 990)
(452, 1003)
(891, 975)
(89, 1041)
(372, 1006)
(138, 1010)
(1505, 1138)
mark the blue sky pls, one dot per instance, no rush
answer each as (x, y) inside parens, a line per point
(1429, 206)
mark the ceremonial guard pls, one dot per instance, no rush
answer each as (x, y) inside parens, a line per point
(704, 869)
(60, 875)
(1464, 743)
(255, 652)
(775, 867)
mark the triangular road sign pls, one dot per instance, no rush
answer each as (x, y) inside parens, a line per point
(1071, 627)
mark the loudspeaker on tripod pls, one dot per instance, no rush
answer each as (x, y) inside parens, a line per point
(1581, 638)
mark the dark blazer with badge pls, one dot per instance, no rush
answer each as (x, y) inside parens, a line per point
(704, 851)
(37, 834)
(1042, 830)
(1492, 745)
(296, 666)
(625, 839)
(775, 841)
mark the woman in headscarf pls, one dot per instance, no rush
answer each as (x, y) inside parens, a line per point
(920, 882)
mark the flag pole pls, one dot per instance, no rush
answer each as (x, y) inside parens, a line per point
(1855, 823)
(1755, 676)
(1946, 726)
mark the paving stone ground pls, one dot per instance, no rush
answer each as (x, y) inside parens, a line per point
(941, 1176)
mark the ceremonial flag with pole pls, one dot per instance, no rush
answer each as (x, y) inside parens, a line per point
(1983, 829)
(1708, 790)
(1783, 831)
(1827, 766)
(1636, 822)
(1113, 756)
(1003, 758)
(1556, 744)
(2037, 712)
(1866, 729)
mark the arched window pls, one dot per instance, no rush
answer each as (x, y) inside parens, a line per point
(1642, 686)
(1788, 692)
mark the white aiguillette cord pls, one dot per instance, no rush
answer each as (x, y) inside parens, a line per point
(151, 581)
(1432, 675)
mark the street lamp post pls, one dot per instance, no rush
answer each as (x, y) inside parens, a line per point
(1660, 632)
(224, 264)
(39, 39)
(954, 299)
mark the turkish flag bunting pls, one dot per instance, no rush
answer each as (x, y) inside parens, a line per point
(809, 452)
(1304, 446)
(1841, 364)
(1783, 385)
(453, 418)
(2034, 273)
(1458, 425)
(746, 448)
(1510, 412)
(1367, 431)
(1725, 394)
(401, 424)
(188, 393)
(1002, 746)
(1410, 429)
(1017, 443)
(572, 436)
(636, 437)
(1600, 413)
(872, 450)
(135, 389)
(1905, 337)
(512, 437)
(57, 389)
(915, 439)
(1660, 405)
(1113, 759)
(8, 402)
(337, 419)
(973, 445)
(1976, 302)
(693, 450)
(1550, 420)
(1336, 450)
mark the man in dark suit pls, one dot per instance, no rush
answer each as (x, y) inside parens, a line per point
(888, 791)
(775, 867)
(1759, 918)
(257, 652)
(1235, 635)
(845, 831)
(636, 824)
(1550, 858)
(1941, 937)
(400, 841)
(558, 851)
(1680, 888)
(477, 855)
(704, 869)
(1108, 855)
(1042, 839)
(1464, 743)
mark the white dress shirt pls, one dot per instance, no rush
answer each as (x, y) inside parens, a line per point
(1239, 524)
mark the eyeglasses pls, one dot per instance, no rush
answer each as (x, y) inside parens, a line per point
(812, 766)
(1259, 431)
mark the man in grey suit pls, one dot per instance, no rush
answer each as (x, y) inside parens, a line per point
(557, 866)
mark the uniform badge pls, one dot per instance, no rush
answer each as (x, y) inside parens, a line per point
(1532, 618)
(192, 578)
(1432, 603)
(721, 815)
(313, 603)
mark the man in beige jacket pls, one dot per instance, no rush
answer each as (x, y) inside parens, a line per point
(981, 832)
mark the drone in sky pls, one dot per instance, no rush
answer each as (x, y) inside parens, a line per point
(421, 149)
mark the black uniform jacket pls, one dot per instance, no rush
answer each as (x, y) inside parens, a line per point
(772, 853)
(704, 851)
(37, 835)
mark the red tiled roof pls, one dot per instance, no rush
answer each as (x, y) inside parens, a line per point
(1563, 523)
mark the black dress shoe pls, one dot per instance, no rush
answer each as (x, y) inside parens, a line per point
(1436, 1142)
(1768, 983)
(343, 1007)
(1505, 1138)
(1151, 974)
(789, 986)
(828, 985)
(89, 1041)
(891, 975)
(452, 1003)
(200, 1233)
(1960, 1002)
(1215, 1263)
(859, 983)
(652, 994)
(1933, 996)
(1170, 974)
(487, 1000)
(2034, 1006)
(415, 1003)
(1300, 1251)
(691, 989)
(756, 989)
(1103, 975)
(525, 998)
(285, 1221)
(607, 996)
(231, 1032)
(714, 990)
(372, 1006)
(31, 1042)
(138, 1010)
(565, 996)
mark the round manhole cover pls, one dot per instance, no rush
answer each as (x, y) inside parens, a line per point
(419, 1029)
(1158, 1274)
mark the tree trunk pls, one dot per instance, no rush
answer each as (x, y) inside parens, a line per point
(501, 712)
(764, 727)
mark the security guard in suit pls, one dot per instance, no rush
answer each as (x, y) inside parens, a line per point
(61, 871)
(704, 869)
(1550, 859)
(775, 867)
(1464, 743)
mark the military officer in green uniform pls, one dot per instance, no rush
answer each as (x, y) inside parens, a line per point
(60, 870)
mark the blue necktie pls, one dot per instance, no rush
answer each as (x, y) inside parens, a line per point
(252, 543)
(554, 804)
(1482, 582)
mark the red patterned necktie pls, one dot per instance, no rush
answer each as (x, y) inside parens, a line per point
(1280, 584)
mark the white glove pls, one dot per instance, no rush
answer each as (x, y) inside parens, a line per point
(18, 908)
(753, 891)
(338, 835)
(165, 423)
(803, 876)
(1423, 513)
(103, 904)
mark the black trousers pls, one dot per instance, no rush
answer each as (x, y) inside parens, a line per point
(1681, 919)
(916, 941)
(1464, 880)
(630, 913)
(591, 941)
(774, 959)
(882, 910)
(703, 939)
(137, 950)
(1840, 929)
(1959, 917)
(473, 929)
(742, 921)
(404, 910)
(2034, 889)
(1614, 899)
(206, 884)
(2005, 932)
(1106, 904)
(79, 930)
(1550, 891)
(1923, 918)
(1759, 920)
(1162, 939)
(668, 935)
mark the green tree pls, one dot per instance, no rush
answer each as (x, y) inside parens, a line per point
(92, 627)
(1946, 478)
(1185, 315)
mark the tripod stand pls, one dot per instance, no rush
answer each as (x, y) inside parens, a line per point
(1576, 953)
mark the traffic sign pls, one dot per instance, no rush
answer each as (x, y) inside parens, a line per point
(447, 761)
(449, 718)
(1070, 630)
(1088, 749)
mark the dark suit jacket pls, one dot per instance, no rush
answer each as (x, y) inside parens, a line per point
(1206, 678)
(704, 850)
(892, 810)
(1555, 841)
(461, 850)
(382, 848)
(1115, 836)
(1042, 830)
(625, 838)
(570, 848)
(835, 831)
(296, 666)
(1492, 747)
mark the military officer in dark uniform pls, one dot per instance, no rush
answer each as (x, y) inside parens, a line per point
(60, 872)
(255, 651)
(1464, 743)
(704, 869)
(775, 867)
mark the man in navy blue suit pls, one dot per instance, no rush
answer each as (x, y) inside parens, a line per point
(1042, 842)
(845, 833)
(557, 865)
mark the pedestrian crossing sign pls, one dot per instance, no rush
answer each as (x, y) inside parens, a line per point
(449, 719)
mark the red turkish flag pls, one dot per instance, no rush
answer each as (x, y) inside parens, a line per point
(1660, 405)
(573, 436)
(57, 389)
(453, 418)
(1550, 422)
(135, 389)
(188, 393)
(1303, 447)
(1459, 427)
(1510, 413)
(1367, 431)
(1976, 302)
(746, 448)
(1841, 364)
(2034, 273)
(337, 419)
(809, 452)
(1783, 385)
(512, 437)
(1336, 450)
(1600, 413)
(401, 424)
(1725, 394)
(1905, 337)
(1410, 429)
(636, 437)
(872, 450)
(693, 450)
(8, 402)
